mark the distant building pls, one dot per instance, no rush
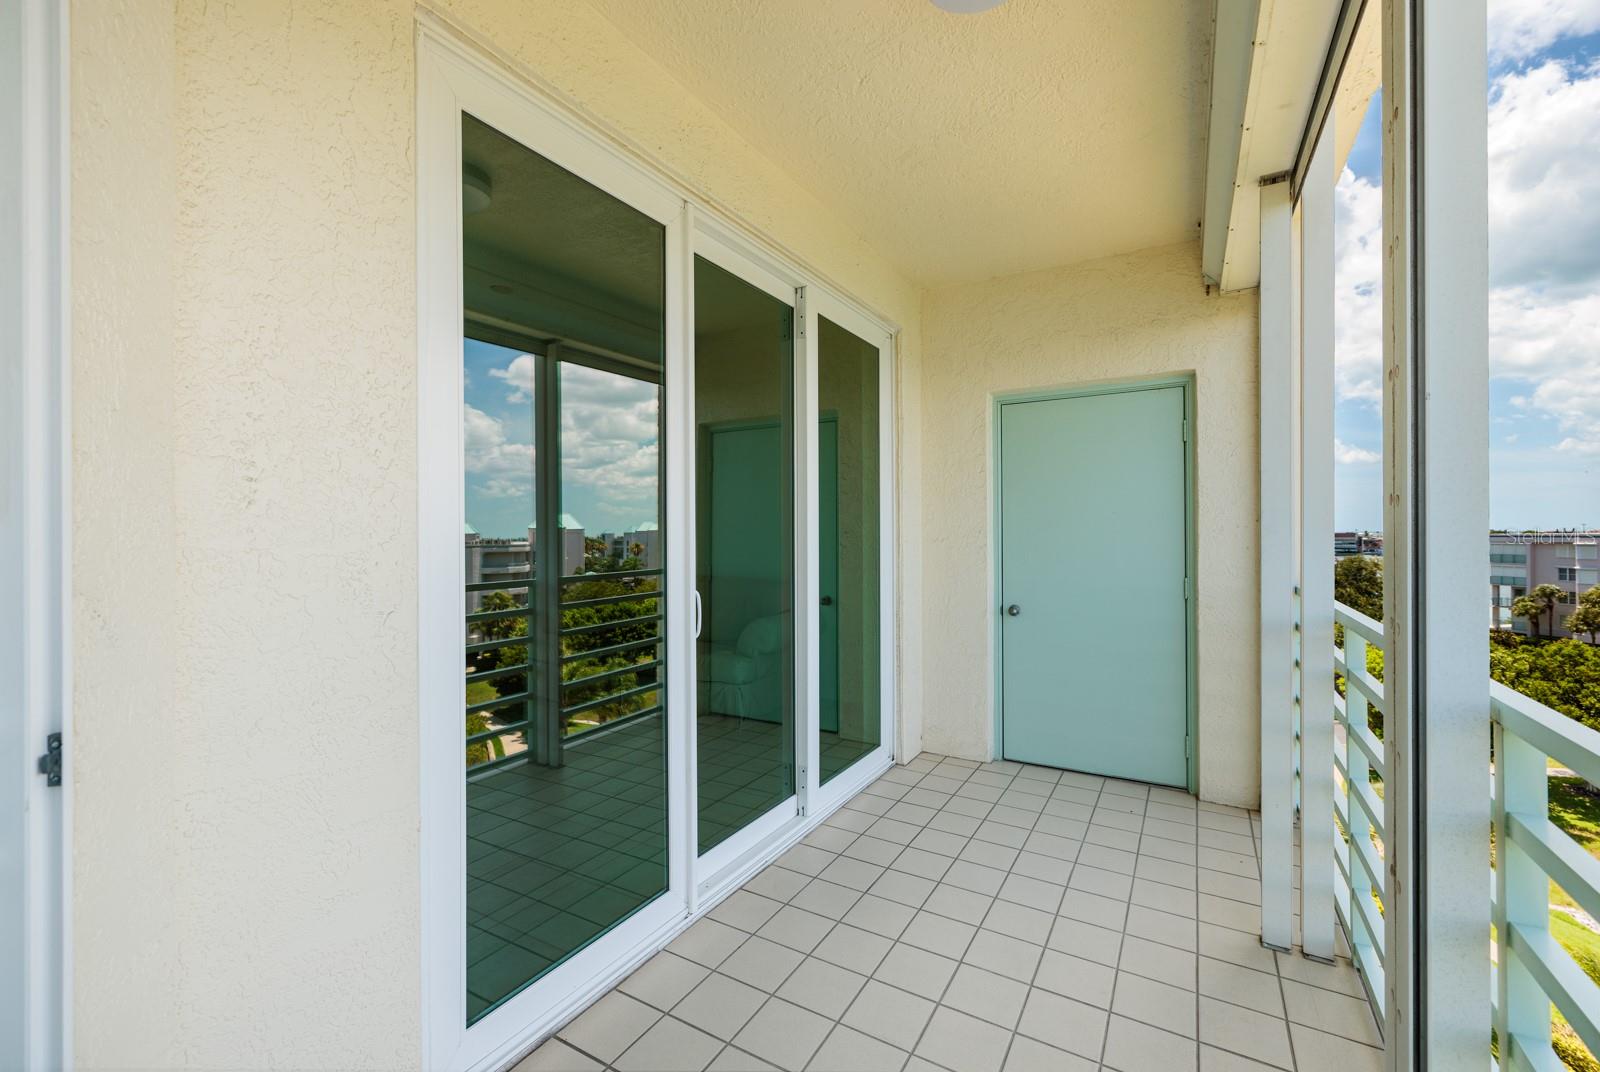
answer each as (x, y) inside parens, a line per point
(495, 558)
(1521, 561)
(1346, 544)
(620, 545)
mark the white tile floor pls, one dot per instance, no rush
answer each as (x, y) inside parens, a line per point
(975, 918)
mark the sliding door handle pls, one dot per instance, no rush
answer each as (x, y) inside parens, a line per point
(696, 614)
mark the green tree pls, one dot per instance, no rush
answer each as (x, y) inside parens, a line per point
(1586, 619)
(1536, 605)
(1563, 674)
(1358, 584)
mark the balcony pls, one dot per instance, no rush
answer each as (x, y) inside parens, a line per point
(978, 917)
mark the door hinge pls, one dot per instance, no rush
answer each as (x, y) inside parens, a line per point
(800, 310)
(1188, 752)
(1186, 588)
(1186, 429)
(50, 762)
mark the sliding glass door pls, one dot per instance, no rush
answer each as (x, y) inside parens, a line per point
(653, 469)
(563, 648)
(744, 552)
(850, 375)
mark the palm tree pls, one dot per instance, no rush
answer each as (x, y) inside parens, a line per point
(1536, 604)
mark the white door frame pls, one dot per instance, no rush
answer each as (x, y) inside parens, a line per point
(451, 80)
(453, 76)
(35, 1007)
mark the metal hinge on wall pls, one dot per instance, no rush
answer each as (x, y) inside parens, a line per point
(50, 762)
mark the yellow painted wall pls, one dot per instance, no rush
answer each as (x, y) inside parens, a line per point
(1137, 316)
(127, 775)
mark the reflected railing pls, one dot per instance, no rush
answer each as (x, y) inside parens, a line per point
(609, 647)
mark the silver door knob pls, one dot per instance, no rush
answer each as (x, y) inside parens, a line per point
(1013, 610)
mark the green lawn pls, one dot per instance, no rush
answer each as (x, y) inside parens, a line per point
(1578, 813)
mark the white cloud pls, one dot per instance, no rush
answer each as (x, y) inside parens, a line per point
(609, 437)
(1345, 454)
(1544, 177)
(1358, 289)
(1519, 28)
(609, 444)
(519, 377)
(1544, 213)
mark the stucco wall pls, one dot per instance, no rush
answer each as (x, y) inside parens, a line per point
(127, 770)
(1136, 316)
(245, 878)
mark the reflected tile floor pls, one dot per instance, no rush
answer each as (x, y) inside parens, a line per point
(559, 855)
(742, 772)
(969, 918)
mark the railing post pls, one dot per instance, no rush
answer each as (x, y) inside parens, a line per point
(1316, 553)
(1522, 894)
(544, 595)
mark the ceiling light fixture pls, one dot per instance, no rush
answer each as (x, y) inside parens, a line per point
(967, 7)
(475, 190)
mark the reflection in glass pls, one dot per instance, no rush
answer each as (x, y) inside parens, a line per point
(744, 554)
(851, 697)
(563, 647)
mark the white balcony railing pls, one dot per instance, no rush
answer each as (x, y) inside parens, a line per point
(1358, 759)
(1530, 970)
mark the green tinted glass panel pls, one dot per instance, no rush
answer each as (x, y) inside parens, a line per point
(744, 553)
(849, 720)
(563, 647)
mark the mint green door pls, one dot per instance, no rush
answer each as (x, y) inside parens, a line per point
(1093, 590)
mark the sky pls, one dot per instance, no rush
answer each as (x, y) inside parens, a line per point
(1544, 280)
(608, 445)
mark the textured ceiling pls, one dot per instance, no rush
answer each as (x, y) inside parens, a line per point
(961, 146)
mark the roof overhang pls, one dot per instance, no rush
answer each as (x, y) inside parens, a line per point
(1276, 74)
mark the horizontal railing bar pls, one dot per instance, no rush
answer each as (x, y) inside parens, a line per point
(1362, 899)
(1360, 735)
(504, 582)
(498, 731)
(1559, 857)
(601, 729)
(496, 615)
(499, 671)
(619, 575)
(612, 649)
(490, 766)
(579, 630)
(1562, 981)
(615, 697)
(608, 674)
(490, 645)
(1563, 739)
(1532, 1055)
(1367, 685)
(499, 701)
(601, 601)
(1371, 807)
(1354, 620)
